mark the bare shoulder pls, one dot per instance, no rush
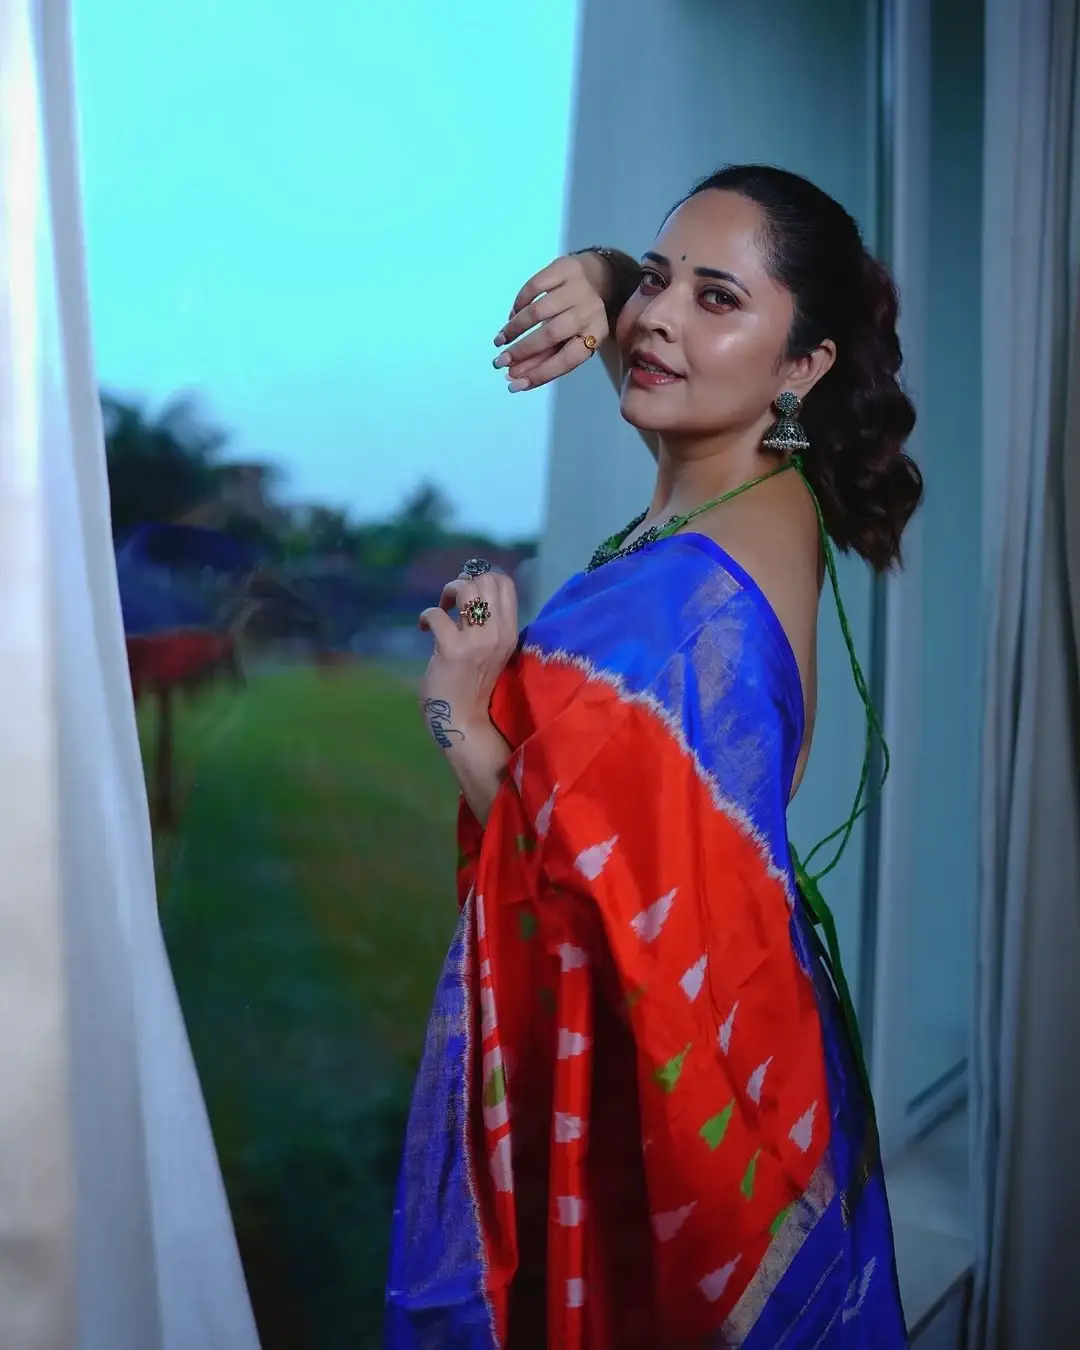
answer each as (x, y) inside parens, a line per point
(772, 532)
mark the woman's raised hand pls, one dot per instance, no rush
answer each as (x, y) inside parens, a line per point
(469, 655)
(562, 306)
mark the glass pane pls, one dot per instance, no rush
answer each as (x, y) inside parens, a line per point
(942, 906)
(301, 244)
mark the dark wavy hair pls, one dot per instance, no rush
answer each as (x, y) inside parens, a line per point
(857, 417)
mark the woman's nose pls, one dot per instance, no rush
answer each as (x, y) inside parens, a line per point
(660, 316)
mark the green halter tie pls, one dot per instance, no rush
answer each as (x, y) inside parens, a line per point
(807, 881)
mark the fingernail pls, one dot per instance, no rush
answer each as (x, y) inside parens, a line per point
(503, 360)
(516, 386)
(500, 339)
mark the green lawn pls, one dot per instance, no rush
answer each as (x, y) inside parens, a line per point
(307, 900)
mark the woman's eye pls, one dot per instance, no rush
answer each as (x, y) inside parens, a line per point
(650, 280)
(719, 299)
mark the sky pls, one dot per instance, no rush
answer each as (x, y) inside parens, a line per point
(316, 214)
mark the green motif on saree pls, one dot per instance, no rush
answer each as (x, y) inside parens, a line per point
(713, 1130)
(668, 1075)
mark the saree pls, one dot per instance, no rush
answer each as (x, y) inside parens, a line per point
(639, 1119)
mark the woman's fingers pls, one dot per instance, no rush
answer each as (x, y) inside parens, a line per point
(463, 589)
(554, 274)
(459, 592)
(549, 306)
(521, 369)
(558, 287)
(549, 366)
(553, 312)
(496, 589)
(548, 336)
(440, 625)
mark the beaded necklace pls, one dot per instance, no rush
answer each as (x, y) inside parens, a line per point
(613, 547)
(875, 747)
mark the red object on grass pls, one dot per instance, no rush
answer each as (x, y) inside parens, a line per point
(166, 660)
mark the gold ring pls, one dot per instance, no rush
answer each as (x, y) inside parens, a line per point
(476, 613)
(590, 342)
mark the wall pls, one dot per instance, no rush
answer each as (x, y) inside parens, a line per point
(668, 90)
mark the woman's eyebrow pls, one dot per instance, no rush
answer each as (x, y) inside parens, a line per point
(713, 273)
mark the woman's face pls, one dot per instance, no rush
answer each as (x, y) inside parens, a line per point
(704, 337)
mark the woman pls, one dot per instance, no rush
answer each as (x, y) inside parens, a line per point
(640, 1118)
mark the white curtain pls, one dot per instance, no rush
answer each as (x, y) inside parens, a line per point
(1026, 1083)
(114, 1228)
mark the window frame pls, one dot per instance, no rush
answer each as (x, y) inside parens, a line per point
(904, 57)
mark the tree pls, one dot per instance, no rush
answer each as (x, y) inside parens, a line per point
(423, 521)
(426, 508)
(159, 465)
(329, 531)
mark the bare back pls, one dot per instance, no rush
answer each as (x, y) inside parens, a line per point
(772, 531)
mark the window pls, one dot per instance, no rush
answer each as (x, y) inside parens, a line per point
(928, 829)
(301, 242)
(941, 948)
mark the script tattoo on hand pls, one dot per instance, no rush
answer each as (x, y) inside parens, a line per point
(440, 720)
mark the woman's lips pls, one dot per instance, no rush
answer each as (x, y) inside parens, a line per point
(647, 376)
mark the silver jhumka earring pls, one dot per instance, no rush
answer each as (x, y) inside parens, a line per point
(786, 435)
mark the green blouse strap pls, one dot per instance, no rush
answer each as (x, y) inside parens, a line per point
(809, 882)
